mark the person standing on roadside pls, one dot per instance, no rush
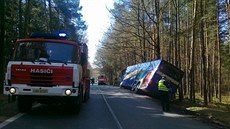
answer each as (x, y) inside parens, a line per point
(92, 81)
(163, 89)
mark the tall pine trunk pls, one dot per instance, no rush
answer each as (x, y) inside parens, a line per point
(27, 18)
(192, 53)
(203, 51)
(228, 13)
(218, 56)
(50, 16)
(20, 19)
(157, 11)
(2, 43)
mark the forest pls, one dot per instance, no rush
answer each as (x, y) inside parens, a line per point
(191, 34)
(19, 18)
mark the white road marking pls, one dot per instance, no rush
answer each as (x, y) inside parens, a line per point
(11, 120)
(111, 110)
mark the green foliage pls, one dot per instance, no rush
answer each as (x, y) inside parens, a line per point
(22, 17)
(73, 23)
(186, 36)
(64, 15)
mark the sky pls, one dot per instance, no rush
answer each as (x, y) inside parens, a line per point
(97, 18)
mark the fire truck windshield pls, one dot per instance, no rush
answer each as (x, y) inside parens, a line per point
(51, 51)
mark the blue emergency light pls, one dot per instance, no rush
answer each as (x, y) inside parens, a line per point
(48, 35)
(62, 34)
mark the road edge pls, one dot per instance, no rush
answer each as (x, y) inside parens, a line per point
(8, 121)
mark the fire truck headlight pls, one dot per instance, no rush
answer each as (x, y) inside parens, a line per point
(12, 90)
(68, 92)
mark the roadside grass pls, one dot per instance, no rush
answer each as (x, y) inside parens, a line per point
(7, 110)
(216, 112)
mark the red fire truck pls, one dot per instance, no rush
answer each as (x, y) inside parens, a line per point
(48, 68)
(102, 80)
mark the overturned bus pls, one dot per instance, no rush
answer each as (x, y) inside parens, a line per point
(144, 77)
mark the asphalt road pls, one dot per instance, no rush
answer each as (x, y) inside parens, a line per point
(108, 108)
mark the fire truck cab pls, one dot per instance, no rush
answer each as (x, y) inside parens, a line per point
(48, 69)
(102, 80)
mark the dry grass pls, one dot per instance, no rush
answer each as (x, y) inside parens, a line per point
(215, 112)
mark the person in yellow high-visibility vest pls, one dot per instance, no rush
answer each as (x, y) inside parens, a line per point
(164, 94)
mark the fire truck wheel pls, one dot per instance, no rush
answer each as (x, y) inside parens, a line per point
(77, 101)
(86, 96)
(24, 104)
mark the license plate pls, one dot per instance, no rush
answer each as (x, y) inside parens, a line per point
(40, 91)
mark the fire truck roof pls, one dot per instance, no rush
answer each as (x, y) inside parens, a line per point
(47, 40)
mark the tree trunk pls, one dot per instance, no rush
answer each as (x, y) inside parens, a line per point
(213, 73)
(27, 18)
(170, 49)
(203, 51)
(218, 56)
(20, 20)
(192, 54)
(2, 43)
(143, 32)
(177, 43)
(157, 11)
(50, 16)
(187, 57)
(228, 13)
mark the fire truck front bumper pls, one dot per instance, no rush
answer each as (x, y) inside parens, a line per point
(41, 91)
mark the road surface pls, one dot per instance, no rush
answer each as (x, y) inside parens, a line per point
(108, 108)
